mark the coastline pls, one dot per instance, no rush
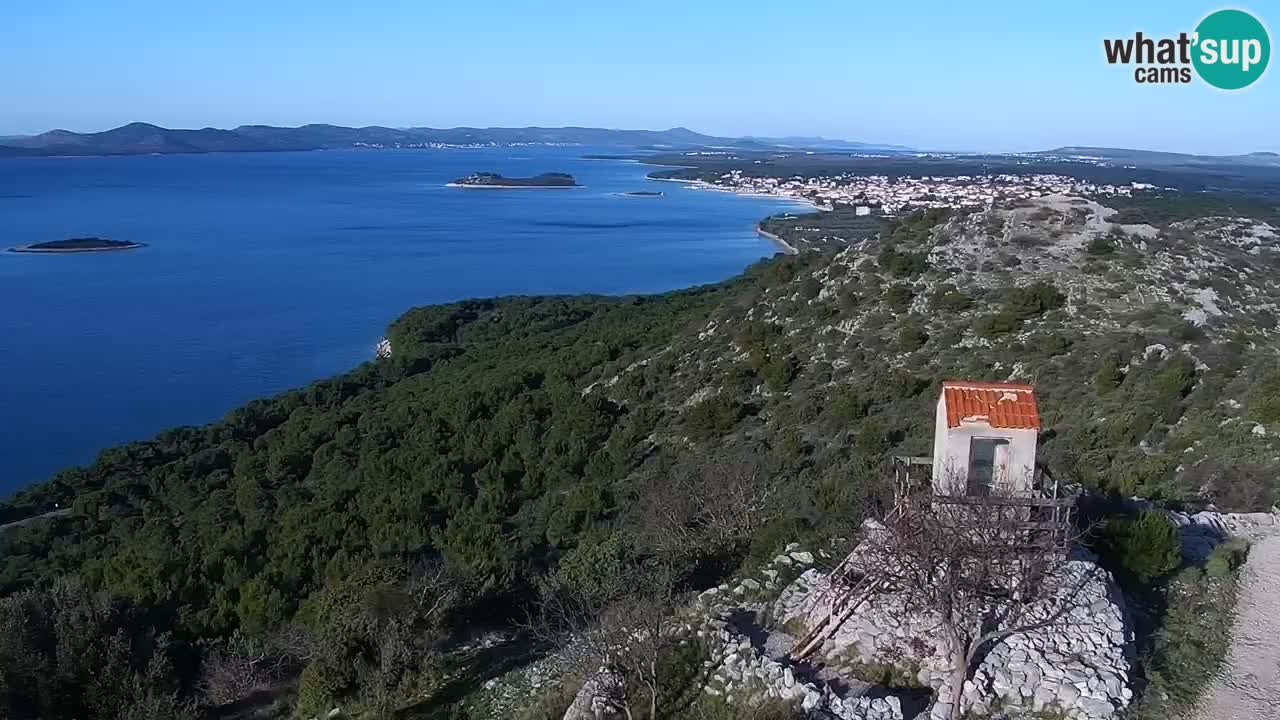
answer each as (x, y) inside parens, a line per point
(787, 248)
(704, 185)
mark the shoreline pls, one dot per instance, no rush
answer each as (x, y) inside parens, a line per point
(704, 185)
(787, 248)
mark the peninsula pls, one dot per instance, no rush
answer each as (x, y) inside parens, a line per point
(494, 180)
(76, 245)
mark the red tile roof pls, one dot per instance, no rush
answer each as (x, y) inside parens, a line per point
(1001, 405)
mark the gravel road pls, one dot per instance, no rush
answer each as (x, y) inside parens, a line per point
(1248, 687)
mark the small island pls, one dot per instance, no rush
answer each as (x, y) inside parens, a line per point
(77, 245)
(494, 180)
(641, 193)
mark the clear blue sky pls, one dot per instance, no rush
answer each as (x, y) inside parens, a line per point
(1008, 76)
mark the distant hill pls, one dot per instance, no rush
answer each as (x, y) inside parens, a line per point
(822, 143)
(143, 138)
(1153, 157)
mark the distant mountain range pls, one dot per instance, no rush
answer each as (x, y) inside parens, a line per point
(142, 138)
(1155, 158)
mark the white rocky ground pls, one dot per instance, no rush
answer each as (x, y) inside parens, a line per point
(746, 665)
(1079, 665)
(1249, 685)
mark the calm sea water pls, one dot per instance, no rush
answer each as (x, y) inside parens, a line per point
(266, 271)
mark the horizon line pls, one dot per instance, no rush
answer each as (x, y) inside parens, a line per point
(674, 128)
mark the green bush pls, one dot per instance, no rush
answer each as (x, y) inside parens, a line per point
(996, 324)
(1108, 376)
(947, 299)
(1053, 345)
(594, 571)
(898, 297)
(1100, 246)
(1134, 472)
(713, 417)
(1142, 549)
(1194, 636)
(1035, 299)
(1227, 558)
(1264, 399)
(778, 372)
(901, 264)
(848, 404)
(810, 287)
(322, 683)
(912, 337)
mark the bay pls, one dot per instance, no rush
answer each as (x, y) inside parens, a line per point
(262, 272)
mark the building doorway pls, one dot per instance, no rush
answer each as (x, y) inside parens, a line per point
(988, 465)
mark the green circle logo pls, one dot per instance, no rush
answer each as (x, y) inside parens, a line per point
(1232, 49)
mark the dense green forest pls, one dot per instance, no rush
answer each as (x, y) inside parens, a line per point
(347, 543)
(473, 449)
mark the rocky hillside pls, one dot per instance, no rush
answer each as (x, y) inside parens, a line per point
(1154, 349)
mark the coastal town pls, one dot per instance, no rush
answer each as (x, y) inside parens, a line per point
(890, 195)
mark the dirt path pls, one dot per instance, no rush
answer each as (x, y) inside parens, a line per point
(1249, 685)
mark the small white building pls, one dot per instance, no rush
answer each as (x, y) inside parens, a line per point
(985, 439)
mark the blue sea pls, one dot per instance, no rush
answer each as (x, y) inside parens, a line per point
(262, 272)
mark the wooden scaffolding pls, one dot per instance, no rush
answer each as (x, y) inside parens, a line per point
(1042, 519)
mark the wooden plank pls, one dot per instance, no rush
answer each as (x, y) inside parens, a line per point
(1001, 501)
(913, 459)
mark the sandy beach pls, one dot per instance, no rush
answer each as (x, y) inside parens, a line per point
(787, 247)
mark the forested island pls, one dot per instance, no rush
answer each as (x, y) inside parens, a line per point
(494, 180)
(75, 245)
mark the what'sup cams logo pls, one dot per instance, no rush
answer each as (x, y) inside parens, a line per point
(1229, 50)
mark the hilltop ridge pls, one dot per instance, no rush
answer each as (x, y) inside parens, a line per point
(144, 138)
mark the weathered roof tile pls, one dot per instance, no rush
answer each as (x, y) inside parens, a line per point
(1001, 405)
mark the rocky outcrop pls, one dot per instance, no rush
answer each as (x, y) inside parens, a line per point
(743, 670)
(741, 667)
(1202, 532)
(1078, 665)
(595, 700)
(383, 348)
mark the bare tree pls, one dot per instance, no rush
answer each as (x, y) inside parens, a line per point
(615, 644)
(234, 670)
(984, 568)
(242, 665)
(401, 624)
(710, 502)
